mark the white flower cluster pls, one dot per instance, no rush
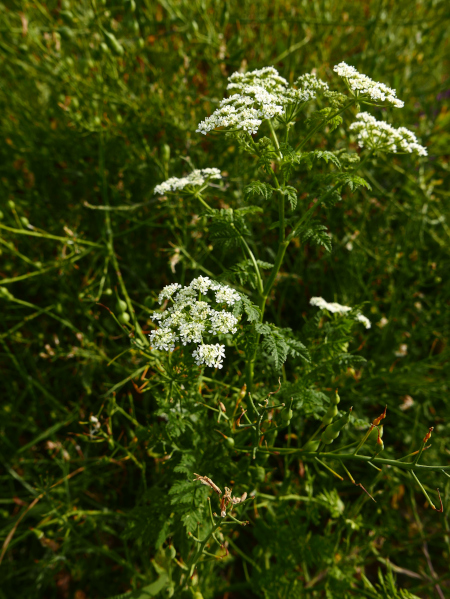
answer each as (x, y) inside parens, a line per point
(194, 314)
(336, 308)
(378, 135)
(261, 94)
(194, 179)
(364, 88)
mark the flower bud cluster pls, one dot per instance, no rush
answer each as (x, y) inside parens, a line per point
(378, 135)
(261, 94)
(193, 315)
(194, 179)
(336, 308)
(364, 88)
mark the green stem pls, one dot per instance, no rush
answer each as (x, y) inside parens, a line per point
(110, 244)
(323, 123)
(275, 138)
(349, 456)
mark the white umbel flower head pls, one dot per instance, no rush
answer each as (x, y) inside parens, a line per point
(378, 135)
(210, 355)
(365, 89)
(336, 308)
(260, 95)
(196, 313)
(195, 179)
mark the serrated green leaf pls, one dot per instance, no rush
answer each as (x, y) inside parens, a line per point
(315, 233)
(291, 194)
(258, 189)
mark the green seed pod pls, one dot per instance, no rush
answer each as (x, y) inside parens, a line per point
(25, 222)
(104, 48)
(113, 43)
(333, 431)
(311, 445)
(286, 415)
(135, 26)
(170, 552)
(108, 291)
(165, 152)
(11, 204)
(38, 264)
(66, 33)
(124, 318)
(141, 43)
(229, 441)
(121, 306)
(260, 474)
(332, 410)
(131, 5)
(1, 215)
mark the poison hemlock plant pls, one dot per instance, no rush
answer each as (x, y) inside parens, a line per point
(263, 115)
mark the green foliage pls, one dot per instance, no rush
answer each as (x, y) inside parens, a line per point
(258, 189)
(279, 344)
(100, 434)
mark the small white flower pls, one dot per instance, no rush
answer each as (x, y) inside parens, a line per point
(227, 295)
(163, 339)
(402, 350)
(223, 322)
(336, 308)
(361, 318)
(168, 291)
(190, 319)
(379, 135)
(364, 88)
(194, 179)
(203, 284)
(191, 332)
(210, 355)
(261, 94)
(383, 322)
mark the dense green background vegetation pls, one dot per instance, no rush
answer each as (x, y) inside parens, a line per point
(87, 124)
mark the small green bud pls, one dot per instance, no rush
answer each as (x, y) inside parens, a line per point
(1, 215)
(108, 291)
(25, 222)
(124, 318)
(121, 306)
(170, 552)
(11, 204)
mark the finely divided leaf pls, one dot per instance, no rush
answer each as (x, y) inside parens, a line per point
(258, 189)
